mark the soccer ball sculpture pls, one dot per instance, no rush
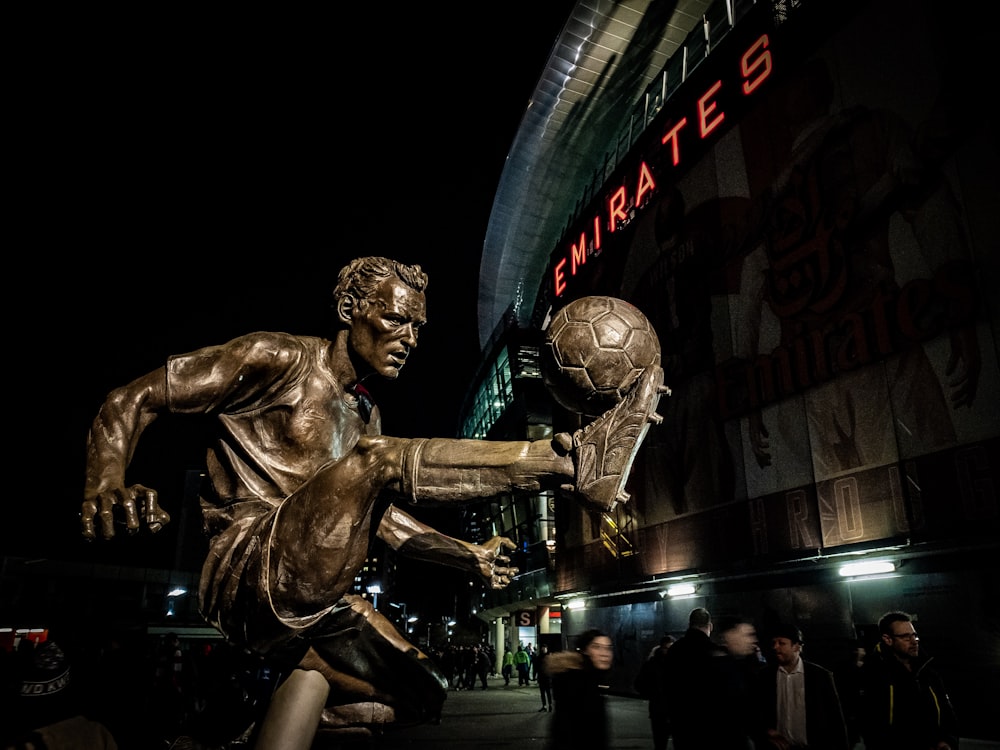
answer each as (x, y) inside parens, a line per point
(595, 349)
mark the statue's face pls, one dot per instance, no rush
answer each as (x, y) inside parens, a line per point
(384, 330)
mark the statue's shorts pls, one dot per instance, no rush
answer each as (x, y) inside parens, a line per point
(361, 653)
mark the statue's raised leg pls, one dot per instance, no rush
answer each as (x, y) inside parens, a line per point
(293, 715)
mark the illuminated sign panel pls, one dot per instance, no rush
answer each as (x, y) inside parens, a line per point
(755, 66)
(808, 240)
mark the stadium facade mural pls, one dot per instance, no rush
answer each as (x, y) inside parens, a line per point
(814, 235)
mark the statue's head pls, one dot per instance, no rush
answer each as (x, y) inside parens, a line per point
(382, 305)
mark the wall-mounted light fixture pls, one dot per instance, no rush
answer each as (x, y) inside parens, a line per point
(867, 568)
(578, 603)
(174, 593)
(681, 589)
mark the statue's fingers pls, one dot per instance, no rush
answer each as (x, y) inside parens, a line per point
(87, 513)
(131, 514)
(156, 517)
(106, 516)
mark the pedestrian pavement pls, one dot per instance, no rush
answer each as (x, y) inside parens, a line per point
(507, 717)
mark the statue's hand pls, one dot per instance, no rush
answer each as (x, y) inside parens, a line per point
(494, 565)
(102, 508)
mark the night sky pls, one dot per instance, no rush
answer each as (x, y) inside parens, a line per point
(184, 180)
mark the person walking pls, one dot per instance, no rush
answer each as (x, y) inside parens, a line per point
(522, 663)
(847, 674)
(507, 668)
(691, 676)
(903, 702)
(579, 683)
(481, 667)
(491, 655)
(300, 480)
(543, 678)
(467, 668)
(798, 705)
(651, 684)
(734, 685)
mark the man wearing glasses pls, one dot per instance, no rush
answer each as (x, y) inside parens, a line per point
(903, 701)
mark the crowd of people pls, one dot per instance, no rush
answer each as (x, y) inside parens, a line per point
(888, 697)
(467, 667)
(126, 691)
(775, 699)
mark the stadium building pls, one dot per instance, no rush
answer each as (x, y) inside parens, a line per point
(801, 197)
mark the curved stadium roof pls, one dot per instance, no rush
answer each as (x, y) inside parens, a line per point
(601, 64)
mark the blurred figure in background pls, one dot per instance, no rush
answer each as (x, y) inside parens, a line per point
(480, 667)
(507, 668)
(848, 675)
(544, 680)
(736, 672)
(522, 663)
(579, 684)
(48, 710)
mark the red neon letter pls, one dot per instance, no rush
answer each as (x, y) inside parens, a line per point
(749, 66)
(671, 135)
(579, 254)
(616, 206)
(560, 278)
(705, 109)
(646, 183)
(597, 234)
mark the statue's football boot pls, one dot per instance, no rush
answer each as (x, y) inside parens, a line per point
(604, 450)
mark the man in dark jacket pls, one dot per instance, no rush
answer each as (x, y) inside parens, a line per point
(798, 705)
(692, 683)
(904, 704)
(651, 684)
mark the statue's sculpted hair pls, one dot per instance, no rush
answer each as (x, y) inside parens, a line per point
(362, 276)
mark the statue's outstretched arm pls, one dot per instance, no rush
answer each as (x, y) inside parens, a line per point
(412, 538)
(110, 445)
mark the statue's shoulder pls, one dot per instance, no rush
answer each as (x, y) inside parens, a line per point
(274, 346)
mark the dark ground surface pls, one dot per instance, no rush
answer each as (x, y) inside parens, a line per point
(507, 718)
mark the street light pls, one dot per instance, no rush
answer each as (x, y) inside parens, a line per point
(399, 605)
(174, 593)
(375, 589)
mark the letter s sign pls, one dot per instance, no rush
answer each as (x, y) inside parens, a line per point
(525, 618)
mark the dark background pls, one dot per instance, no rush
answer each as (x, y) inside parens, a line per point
(183, 180)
